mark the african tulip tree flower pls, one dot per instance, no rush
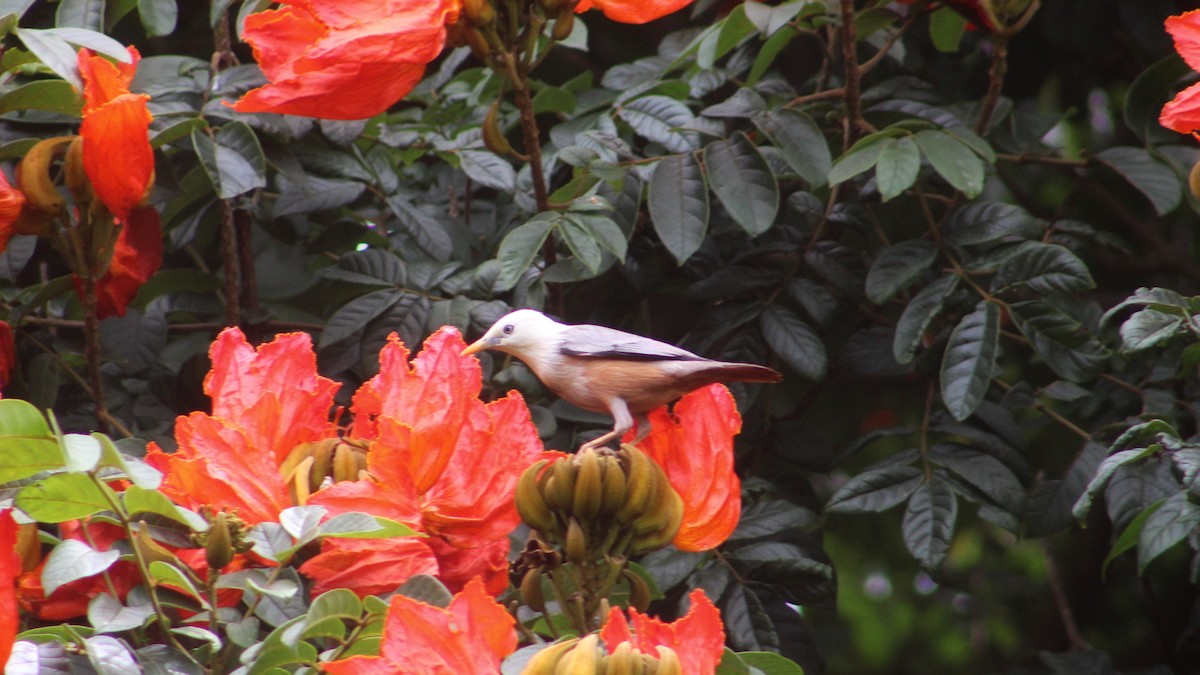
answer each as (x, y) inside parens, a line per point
(1182, 113)
(697, 638)
(10, 567)
(438, 458)
(633, 11)
(343, 59)
(694, 446)
(472, 635)
(117, 156)
(137, 255)
(12, 201)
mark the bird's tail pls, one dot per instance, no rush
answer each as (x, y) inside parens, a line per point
(721, 371)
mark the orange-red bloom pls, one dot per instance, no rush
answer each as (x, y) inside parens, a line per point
(10, 568)
(1182, 113)
(697, 638)
(633, 11)
(71, 600)
(343, 59)
(440, 460)
(266, 401)
(117, 156)
(472, 635)
(694, 446)
(137, 255)
(12, 201)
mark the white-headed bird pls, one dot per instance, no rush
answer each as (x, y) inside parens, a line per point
(607, 370)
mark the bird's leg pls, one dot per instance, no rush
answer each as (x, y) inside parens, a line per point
(622, 422)
(642, 424)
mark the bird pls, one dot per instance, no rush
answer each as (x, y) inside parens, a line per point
(607, 370)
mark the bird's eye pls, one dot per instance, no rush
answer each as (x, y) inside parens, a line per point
(508, 329)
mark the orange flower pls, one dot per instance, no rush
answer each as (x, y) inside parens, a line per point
(137, 255)
(1182, 113)
(71, 600)
(266, 401)
(472, 635)
(698, 638)
(117, 156)
(440, 460)
(343, 59)
(12, 201)
(440, 448)
(633, 11)
(694, 446)
(10, 568)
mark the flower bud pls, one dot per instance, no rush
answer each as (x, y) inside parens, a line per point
(150, 550)
(219, 544)
(479, 12)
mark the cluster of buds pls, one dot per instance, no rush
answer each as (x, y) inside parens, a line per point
(598, 503)
(586, 656)
(311, 466)
(224, 539)
(496, 31)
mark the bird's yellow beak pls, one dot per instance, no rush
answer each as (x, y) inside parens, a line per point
(476, 346)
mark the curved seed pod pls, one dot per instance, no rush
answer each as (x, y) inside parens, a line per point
(531, 505)
(575, 547)
(544, 662)
(641, 478)
(33, 175)
(655, 513)
(622, 661)
(531, 590)
(584, 659)
(668, 661)
(1194, 180)
(493, 136)
(613, 486)
(564, 23)
(585, 502)
(639, 590)
(479, 12)
(655, 540)
(560, 487)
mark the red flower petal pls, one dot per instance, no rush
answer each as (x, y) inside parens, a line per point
(694, 446)
(698, 638)
(1182, 113)
(1185, 29)
(136, 257)
(457, 566)
(369, 566)
(12, 201)
(634, 11)
(472, 636)
(117, 156)
(343, 60)
(10, 569)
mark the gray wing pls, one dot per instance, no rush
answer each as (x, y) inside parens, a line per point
(599, 341)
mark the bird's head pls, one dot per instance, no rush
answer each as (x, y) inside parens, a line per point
(520, 333)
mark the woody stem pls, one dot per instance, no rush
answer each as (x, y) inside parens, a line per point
(91, 348)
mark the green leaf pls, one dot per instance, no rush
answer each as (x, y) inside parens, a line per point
(800, 141)
(928, 524)
(860, 157)
(744, 182)
(109, 656)
(1149, 328)
(1144, 99)
(1066, 345)
(1162, 299)
(1150, 175)
(607, 233)
(734, 29)
(27, 446)
(488, 169)
(918, 314)
(897, 168)
(763, 519)
(580, 241)
(426, 231)
(158, 16)
(314, 194)
(72, 559)
(353, 316)
(62, 497)
(984, 472)
(897, 267)
(1049, 507)
(136, 470)
(427, 589)
(357, 525)
(230, 173)
(53, 51)
(678, 203)
(166, 573)
(970, 359)
(816, 300)
(52, 95)
(768, 53)
(1129, 536)
(371, 266)
(80, 14)
(82, 452)
(1044, 269)
(946, 28)
(339, 603)
(108, 615)
(519, 249)
(953, 160)
(660, 119)
(138, 500)
(876, 489)
(770, 663)
(1166, 527)
(1103, 473)
(794, 341)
